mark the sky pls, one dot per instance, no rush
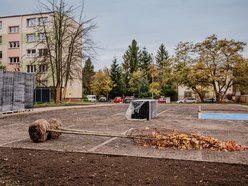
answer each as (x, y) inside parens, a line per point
(151, 23)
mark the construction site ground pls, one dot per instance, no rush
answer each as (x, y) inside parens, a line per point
(97, 160)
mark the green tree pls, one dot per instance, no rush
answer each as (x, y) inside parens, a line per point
(138, 83)
(2, 67)
(116, 76)
(188, 71)
(102, 83)
(222, 62)
(145, 62)
(241, 80)
(154, 86)
(164, 63)
(145, 59)
(130, 63)
(162, 57)
(87, 76)
(131, 57)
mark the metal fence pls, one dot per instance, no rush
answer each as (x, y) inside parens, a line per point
(16, 91)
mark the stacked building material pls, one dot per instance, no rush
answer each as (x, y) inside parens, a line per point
(29, 91)
(16, 91)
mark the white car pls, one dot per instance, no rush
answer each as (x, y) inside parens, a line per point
(91, 98)
(187, 100)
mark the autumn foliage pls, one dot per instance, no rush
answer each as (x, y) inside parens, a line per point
(163, 139)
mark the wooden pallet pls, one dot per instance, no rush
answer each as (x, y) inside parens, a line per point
(15, 111)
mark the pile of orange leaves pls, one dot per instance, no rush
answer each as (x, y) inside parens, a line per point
(163, 139)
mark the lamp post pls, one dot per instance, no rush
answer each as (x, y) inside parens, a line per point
(152, 73)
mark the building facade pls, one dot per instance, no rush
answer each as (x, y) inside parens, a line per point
(22, 49)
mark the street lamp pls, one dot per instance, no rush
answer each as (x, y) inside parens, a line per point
(152, 73)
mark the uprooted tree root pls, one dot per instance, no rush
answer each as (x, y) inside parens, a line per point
(39, 130)
(163, 139)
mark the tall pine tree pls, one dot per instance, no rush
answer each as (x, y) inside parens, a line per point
(131, 57)
(163, 62)
(145, 59)
(116, 76)
(87, 75)
(131, 60)
(162, 57)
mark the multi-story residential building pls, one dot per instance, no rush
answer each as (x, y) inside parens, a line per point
(21, 48)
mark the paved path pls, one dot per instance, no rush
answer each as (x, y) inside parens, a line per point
(110, 118)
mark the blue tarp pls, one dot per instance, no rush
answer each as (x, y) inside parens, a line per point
(223, 116)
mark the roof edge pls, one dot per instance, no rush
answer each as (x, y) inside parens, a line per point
(22, 15)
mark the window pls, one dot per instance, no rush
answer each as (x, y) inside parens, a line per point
(14, 60)
(43, 68)
(31, 68)
(1, 54)
(31, 53)
(1, 40)
(42, 21)
(14, 44)
(30, 38)
(13, 29)
(1, 25)
(31, 22)
(41, 37)
(42, 52)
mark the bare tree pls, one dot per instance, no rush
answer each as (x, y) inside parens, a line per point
(67, 42)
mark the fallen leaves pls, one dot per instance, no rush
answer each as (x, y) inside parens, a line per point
(163, 139)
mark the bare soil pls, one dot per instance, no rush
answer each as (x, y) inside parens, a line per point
(35, 167)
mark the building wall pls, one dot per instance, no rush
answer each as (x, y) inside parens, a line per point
(210, 94)
(75, 87)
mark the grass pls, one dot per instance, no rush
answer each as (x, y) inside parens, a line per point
(53, 104)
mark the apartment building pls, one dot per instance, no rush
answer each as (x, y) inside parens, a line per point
(21, 49)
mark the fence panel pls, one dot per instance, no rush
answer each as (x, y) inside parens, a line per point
(16, 91)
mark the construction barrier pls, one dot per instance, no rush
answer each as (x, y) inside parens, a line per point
(16, 91)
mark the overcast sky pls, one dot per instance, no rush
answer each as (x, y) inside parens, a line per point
(152, 22)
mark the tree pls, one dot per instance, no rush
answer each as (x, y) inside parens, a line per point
(188, 71)
(87, 76)
(145, 59)
(212, 64)
(164, 63)
(116, 77)
(2, 67)
(131, 58)
(63, 38)
(145, 62)
(130, 63)
(222, 62)
(138, 83)
(241, 80)
(154, 87)
(162, 57)
(102, 83)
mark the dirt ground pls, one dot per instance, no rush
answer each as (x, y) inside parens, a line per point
(35, 167)
(90, 160)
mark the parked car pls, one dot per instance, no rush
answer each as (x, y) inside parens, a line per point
(118, 100)
(162, 99)
(91, 98)
(209, 100)
(128, 99)
(104, 99)
(187, 100)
